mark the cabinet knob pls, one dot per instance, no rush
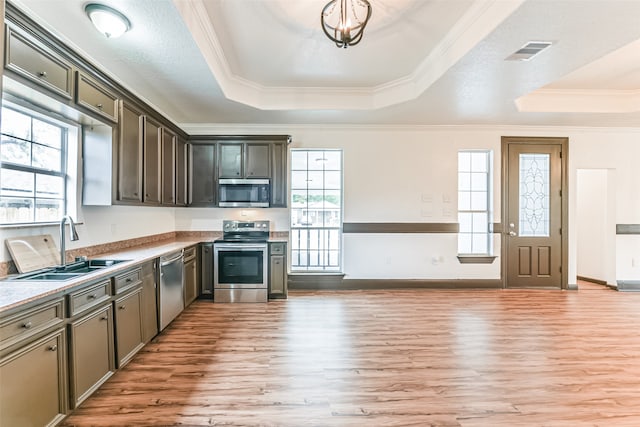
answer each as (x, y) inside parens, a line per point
(53, 347)
(92, 296)
(128, 280)
(26, 325)
(104, 318)
(121, 307)
(43, 74)
(135, 194)
(99, 106)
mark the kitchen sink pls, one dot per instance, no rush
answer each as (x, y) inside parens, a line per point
(69, 271)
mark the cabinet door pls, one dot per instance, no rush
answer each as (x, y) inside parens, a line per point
(190, 282)
(149, 301)
(91, 353)
(202, 182)
(181, 172)
(130, 155)
(230, 160)
(279, 175)
(206, 269)
(168, 167)
(152, 165)
(128, 326)
(257, 160)
(95, 97)
(35, 62)
(33, 382)
(277, 276)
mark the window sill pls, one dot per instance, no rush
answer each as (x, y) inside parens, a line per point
(476, 259)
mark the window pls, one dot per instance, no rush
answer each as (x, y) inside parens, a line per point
(474, 201)
(33, 168)
(316, 210)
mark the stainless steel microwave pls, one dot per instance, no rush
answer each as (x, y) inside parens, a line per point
(244, 193)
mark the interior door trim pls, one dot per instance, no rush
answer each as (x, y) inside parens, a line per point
(564, 162)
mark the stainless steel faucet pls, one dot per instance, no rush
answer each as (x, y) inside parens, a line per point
(73, 235)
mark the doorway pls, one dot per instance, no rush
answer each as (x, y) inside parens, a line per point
(534, 212)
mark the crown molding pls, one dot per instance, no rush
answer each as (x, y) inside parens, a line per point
(481, 18)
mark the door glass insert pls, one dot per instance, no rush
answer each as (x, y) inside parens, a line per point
(534, 195)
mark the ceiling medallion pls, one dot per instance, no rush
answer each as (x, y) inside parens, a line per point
(345, 25)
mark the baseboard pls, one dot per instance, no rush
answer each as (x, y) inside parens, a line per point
(339, 283)
(592, 280)
(629, 285)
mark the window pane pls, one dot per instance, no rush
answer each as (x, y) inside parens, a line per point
(464, 181)
(317, 160)
(315, 180)
(465, 220)
(464, 201)
(47, 134)
(478, 201)
(298, 180)
(49, 186)
(534, 195)
(15, 151)
(479, 243)
(47, 158)
(479, 181)
(464, 243)
(480, 222)
(299, 160)
(16, 124)
(316, 199)
(17, 183)
(16, 210)
(334, 160)
(479, 162)
(332, 180)
(464, 161)
(49, 210)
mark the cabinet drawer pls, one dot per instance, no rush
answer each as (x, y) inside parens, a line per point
(127, 280)
(33, 61)
(277, 248)
(96, 98)
(189, 253)
(27, 323)
(89, 297)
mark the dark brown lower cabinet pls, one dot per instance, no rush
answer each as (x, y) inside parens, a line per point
(33, 383)
(91, 355)
(127, 310)
(190, 275)
(149, 301)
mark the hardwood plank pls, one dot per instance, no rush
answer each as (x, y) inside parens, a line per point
(403, 357)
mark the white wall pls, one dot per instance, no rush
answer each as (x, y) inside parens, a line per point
(389, 172)
(595, 224)
(103, 225)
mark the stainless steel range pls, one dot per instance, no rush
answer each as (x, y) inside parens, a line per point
(240, 262)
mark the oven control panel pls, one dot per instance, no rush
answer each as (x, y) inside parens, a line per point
(236, 226)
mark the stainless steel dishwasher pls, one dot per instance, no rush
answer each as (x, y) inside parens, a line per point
(170, 293)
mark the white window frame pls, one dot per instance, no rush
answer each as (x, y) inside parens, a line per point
(70, 160)
(296, 230)
(486, 250)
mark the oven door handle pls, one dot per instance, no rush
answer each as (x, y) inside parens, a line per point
(243, 247)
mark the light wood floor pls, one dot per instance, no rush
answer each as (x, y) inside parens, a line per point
(387, 358)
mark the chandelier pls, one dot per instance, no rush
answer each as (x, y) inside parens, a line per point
(344, 25)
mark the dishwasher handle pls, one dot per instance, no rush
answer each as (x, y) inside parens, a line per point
(164, 261)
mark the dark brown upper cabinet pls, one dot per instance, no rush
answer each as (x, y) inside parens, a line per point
(129, 157)
(169, 145)
(181, 172)
(152, 165)
(244, 160)
(202, 167)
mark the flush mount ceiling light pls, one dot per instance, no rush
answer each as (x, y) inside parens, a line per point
(344, 25)
(107, 20)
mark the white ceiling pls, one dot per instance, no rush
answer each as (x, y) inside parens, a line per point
(433, 62)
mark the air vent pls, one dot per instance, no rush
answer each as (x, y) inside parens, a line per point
(528, 51)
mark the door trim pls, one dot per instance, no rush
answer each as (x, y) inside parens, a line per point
(564, 162)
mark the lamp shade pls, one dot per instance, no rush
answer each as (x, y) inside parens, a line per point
(107, 20)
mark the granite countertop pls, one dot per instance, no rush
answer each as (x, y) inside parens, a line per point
(15, 293)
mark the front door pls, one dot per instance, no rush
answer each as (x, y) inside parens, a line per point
(533, 250)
